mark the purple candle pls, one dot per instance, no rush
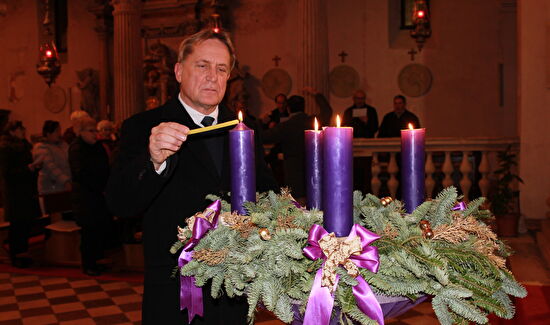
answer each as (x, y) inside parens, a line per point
(338, 179)
(412, 167)
(314, 167)
(243, 169)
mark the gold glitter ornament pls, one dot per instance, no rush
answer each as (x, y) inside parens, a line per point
(386, 200)
(264, 234)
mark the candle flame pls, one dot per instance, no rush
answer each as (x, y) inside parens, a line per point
(337, 120)
(411, 126)
(316, 125)
(240, 116)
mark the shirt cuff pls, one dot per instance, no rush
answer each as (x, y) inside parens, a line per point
(161, 168)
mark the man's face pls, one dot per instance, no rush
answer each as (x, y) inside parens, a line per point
(203, 75)
(359, 99)
(398, 105)
(281, 103)
(19, 133)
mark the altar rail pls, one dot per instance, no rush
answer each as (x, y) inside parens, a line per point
(445, 163)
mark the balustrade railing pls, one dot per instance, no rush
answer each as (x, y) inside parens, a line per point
(467, 163)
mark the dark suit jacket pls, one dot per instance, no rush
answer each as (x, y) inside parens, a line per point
(392, 124)
(90, 171)
(166, 200)
(290, 134)
(360, 128)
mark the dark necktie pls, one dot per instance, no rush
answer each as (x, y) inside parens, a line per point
(214, 145)
(207, 121)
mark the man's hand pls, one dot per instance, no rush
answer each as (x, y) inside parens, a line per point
(166, 138)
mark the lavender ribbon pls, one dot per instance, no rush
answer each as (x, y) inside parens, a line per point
(190, 294)
(460, 206)
(321, 301)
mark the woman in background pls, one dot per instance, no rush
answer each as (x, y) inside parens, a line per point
(53, 154)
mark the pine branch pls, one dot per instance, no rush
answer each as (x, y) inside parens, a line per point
(473, 206)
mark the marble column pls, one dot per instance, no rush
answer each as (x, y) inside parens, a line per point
(128, 61)
(313, 50)
(104, 30)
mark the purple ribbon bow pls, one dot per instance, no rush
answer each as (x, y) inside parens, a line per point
(460, 206)
(190, 294)
(321, 301)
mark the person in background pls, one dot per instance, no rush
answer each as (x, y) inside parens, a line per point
(69, 135)
(399, 119)
(52, 154)
(278, 114)
(19, 191)
(364, 120)
(361, 116)
(107, 137)
(90, 171)
(290, 135)
(391, 127)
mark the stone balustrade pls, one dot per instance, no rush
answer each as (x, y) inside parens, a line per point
(445, 163)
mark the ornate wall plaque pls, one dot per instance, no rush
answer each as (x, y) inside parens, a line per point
(54, 99)
(343, 81)
(415, 80)
(276, 81)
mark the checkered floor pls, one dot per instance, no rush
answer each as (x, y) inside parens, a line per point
(34, 299)
(37, 299)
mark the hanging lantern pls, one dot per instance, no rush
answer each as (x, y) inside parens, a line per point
(48, 65)
(216, 23)
(421, 23)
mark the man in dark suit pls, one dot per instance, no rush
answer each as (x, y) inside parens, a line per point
(364, 120)
(399, 119)
(290, 135)
(361, 116)
(164, 175)
(391, 127)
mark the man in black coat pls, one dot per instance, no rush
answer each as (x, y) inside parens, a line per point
(290, 135)
(164, 175)
(89, 164)
(364, 120)
(361, 116)
(399, 119)
(391, 127)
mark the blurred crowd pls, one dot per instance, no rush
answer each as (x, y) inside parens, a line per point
(72, 164)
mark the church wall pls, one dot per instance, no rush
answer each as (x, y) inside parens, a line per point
(534, 101)
(261, 31)
(470, 38)
(19, 30)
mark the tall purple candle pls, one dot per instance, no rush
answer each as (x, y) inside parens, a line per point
(338, 179)
(412, 167)
(314, 167)
(243, 168)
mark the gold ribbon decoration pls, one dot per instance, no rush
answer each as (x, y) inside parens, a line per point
(338, 251)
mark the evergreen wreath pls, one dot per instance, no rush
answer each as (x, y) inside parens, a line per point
(449, 254)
